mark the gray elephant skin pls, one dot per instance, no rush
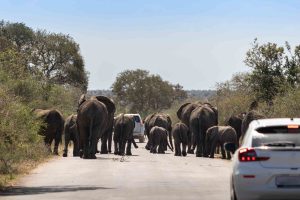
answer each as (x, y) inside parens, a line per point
(92, 122)
(53, 127)
(106, 138)
(158, 119)
(249, 117)
(71, 134)
(235, 121)
(220, 135)
(159, 138)
(184, 113)
(123, 133)
(201, 119)
(180, 135)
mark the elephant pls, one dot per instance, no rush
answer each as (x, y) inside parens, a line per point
(106, 139)
(53, 127)
(184, 114)
(92, 122)
(249, 117)
(220, 135)
(202, 118)
(123, 133)
(158, 119)
(180, 135)
(71, 133)
(235, 121)
(159, 138)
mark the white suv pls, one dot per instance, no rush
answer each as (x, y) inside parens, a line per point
(138, 132)
(267, 165)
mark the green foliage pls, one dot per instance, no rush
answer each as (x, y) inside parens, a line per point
(54, 58)
(267, 77)
(18, 138)
(26, 85)
(233, 97)
(140, 91)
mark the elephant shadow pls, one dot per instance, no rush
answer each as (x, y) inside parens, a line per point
(19, 190)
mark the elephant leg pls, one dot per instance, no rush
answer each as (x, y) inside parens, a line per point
(228, 155)
(190, 143)
(212, 149)
(109, 141)
(104, 139)
(154, 149)
(122, 147)
(116, 147)
(67, 140)
(128, 148)
(184, 149)
(223, 152)
(48, 142)
(176, 149)
(198, 146)
(75, 145)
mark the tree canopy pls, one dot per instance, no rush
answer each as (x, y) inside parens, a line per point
(140, 91)
(54, 58)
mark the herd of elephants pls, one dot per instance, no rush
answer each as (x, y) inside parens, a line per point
(198, 129)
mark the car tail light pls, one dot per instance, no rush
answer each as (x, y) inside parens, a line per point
(249, 155)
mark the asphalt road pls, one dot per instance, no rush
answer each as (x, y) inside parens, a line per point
(141, 176)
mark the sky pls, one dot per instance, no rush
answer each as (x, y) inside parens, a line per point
(195, 43)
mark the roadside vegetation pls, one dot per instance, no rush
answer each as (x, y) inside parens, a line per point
(38, 69)
(273, 82)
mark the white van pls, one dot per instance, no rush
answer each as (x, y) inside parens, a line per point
(138, 132)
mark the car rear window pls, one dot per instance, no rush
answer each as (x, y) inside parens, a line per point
(277, 136)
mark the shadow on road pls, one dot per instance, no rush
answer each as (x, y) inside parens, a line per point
(15, 191)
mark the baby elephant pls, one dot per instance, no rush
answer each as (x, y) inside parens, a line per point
(71, 133)
(219, 135)
(180, 135)
(158, 138)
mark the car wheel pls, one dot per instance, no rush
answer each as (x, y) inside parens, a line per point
(142, 139)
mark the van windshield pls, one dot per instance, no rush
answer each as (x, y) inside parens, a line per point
(277, 136)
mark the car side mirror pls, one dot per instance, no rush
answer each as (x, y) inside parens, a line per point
(231, 147)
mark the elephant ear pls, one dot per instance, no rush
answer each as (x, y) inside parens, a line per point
(111, 108)
(81, 100)
(180, 110)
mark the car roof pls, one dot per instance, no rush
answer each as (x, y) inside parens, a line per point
(130, 114)
(273, 122)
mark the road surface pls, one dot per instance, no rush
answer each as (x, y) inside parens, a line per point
(141, 176)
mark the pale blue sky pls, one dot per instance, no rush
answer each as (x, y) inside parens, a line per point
(191, 42)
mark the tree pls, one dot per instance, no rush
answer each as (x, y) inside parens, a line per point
(143, 92)
(292, 66)
(57, 57)
(53, 58)
(267, 78)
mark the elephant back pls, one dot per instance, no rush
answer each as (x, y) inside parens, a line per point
(184, 112)
(228, 135)
(162, 120)
(111, 108)
(235, 121)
